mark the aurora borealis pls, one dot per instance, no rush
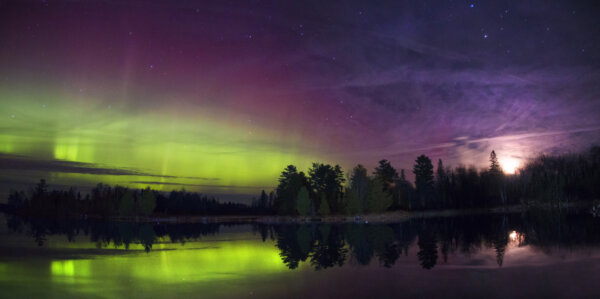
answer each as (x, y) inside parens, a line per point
(220, 96)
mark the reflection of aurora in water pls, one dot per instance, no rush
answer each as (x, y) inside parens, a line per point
(173, 263)
(189, 258)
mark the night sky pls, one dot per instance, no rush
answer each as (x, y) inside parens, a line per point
(220, 97)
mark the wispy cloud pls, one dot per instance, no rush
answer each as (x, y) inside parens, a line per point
(201, 185)
(23, 163)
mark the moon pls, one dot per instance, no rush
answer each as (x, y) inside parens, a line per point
(509, 165)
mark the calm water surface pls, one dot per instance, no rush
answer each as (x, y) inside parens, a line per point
(542, 255)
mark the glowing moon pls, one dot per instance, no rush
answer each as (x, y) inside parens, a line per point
(509, 165)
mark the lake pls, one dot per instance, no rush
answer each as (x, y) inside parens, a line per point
(534, 254)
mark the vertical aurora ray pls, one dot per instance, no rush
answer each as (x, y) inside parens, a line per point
(198, 150)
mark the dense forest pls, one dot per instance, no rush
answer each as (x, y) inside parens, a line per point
(326, 190)
(105, 201)
(547, 179)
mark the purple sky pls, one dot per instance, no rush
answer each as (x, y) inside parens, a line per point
(354, 81)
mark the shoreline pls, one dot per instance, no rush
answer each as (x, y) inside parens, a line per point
(387, 217)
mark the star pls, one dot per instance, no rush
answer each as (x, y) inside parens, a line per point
(472, 5)
(485, 36)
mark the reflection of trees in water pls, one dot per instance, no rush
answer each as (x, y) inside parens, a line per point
(329, 250)
(294, 242)
(329, 245)
(428, 251)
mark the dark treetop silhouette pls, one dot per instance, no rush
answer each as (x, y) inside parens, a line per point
(554, 180)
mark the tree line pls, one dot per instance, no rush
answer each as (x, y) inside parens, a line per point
(105, 201)
(324, 190)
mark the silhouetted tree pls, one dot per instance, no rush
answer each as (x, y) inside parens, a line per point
(359, 184)
(423, 171)
(354, 205)
(327, 180)
(146, 202)
(41, 188)
(16, 200)
(303, 202)
(324, 209)
(127, 204)
(378, 200)
(494, 164)
(271, 199)
(290, 183)
(405, 192)
(442, 184)
(388, 175)
(263, 203)
(495, 181)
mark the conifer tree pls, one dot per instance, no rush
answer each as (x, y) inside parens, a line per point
(303, 202)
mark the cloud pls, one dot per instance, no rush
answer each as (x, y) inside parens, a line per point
(23, 163)
(201, 185)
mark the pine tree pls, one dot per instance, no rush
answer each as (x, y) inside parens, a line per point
(303, 202)
(404, 191)
(441, 178)
(353, 203)
(496, 176)
(378, 200)
(326, 179)
(146, 202)
(495, 168)
(423, 171)
(359, 183)
(263, 201)
(386, 173)
(324, 207)
(126, 204)
(290, 182)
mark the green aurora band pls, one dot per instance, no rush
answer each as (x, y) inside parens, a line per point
(208, 150)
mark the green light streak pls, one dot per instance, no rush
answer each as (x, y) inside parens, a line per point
(171, 263)
(200, 147)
